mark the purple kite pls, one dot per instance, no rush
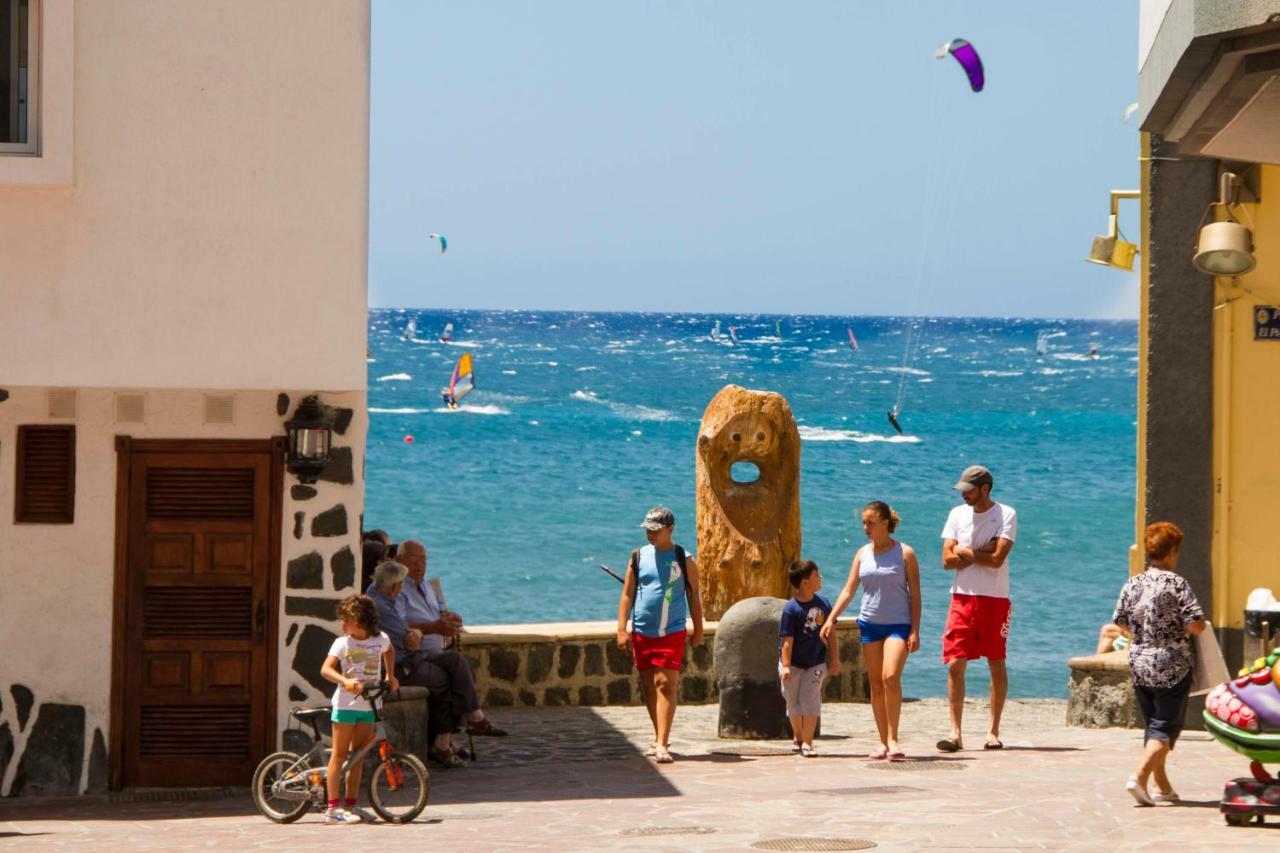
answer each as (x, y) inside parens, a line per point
(968, 59)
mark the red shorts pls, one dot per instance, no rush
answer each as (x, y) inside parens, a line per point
(977, 627)
(658, 652)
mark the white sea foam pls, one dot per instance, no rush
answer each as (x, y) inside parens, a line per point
(508, 373)
(585, 369)
(395, 377)
(402, 411)
(1071, 356)
(626, 410)
(913, 371)
(472, 410)
(812, 433)
(990, 373)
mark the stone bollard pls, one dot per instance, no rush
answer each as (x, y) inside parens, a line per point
(405, 716)
(746, 664)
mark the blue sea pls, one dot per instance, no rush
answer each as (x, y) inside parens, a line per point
(582, 421)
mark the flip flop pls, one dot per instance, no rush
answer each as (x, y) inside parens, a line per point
(663, 756)
(898, 756)
(879, 755)
(993, 744)
(949, 745)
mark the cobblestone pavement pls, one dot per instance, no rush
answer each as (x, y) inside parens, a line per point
(575, 779)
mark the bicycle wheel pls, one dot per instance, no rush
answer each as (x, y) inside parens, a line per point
(398, 788)
(279, 767)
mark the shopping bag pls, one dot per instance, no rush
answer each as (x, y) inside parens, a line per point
(1208, 668)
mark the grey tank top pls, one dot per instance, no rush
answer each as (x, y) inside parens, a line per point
(886, 599)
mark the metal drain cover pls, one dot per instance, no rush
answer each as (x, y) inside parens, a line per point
(800, 843)
(648, 831)
(752, 751)
(170, 795)
(917, 764)
(867, 789)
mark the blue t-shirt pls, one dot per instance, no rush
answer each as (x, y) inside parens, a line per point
(803, 620)
(661, 605)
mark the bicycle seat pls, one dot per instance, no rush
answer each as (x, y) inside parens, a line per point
(311, 714)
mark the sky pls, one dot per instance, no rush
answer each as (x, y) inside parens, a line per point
(749, 157)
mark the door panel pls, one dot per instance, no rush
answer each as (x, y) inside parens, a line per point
(198, 583)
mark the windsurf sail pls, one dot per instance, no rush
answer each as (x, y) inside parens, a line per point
(733, 334)
(411, 330)
(447, 334)
(461, 383)
(1093, 349)
(853, 342)
(1042, 343)
(715, 331)
(777, 328)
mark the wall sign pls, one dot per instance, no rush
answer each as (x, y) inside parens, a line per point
(1266, 323)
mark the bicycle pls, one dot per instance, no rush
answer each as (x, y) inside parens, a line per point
(286, 785)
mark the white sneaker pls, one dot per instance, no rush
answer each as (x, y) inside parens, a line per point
(341, 816)
(364, 816)
(1171, 797)
(1138, 792)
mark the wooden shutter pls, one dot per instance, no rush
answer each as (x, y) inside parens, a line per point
(46, 470)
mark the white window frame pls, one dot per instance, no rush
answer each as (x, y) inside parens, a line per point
(31, 147)
(50, 164)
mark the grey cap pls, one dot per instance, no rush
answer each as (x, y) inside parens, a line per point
(658, 518)
(973, 476)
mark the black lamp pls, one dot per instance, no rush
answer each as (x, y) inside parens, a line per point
(309, 434)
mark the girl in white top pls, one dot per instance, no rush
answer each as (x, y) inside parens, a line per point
(889, 622)
(362, 656)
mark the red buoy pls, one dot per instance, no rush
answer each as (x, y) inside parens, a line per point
(408, 439)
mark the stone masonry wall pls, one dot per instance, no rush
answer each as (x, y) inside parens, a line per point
(581, 664)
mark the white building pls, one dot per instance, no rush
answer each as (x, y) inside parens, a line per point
(183, 239)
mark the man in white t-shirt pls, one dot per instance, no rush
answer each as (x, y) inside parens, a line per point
(976, 542)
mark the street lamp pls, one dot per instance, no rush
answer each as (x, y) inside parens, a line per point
(309, 433)
(1224, 248)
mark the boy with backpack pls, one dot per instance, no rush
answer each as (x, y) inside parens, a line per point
(660, 589)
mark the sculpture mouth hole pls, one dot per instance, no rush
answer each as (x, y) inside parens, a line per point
(744, 473)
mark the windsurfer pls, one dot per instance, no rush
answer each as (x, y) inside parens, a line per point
(893, 419)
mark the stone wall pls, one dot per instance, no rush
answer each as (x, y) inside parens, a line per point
(579, 663)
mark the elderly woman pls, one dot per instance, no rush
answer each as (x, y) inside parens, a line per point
(1159, 613)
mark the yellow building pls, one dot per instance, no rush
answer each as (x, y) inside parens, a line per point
(1209, 400)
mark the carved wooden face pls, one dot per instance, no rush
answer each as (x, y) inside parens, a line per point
(759, 438)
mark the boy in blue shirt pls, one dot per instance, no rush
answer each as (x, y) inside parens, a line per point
(803, 655)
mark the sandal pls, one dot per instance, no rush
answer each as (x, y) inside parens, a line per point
(807, 751)
(950, 745)
(662, 755)
(447, 757)
(651, 751)
(899, 755)
(484, 727)
(879, 755)
(993, 744)
(795, 746)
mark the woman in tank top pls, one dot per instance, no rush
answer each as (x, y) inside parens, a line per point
(889, 619)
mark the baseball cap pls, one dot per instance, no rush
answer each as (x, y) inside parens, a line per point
(973, 476)
(658, 518)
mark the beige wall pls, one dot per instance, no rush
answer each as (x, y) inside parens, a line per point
(56, 581)
(1246, 411)
(214, 235)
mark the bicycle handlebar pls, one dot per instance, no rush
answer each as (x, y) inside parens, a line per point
(375, 691)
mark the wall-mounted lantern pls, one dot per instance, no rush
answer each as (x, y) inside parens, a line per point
(1224, 248)
(1110, 249)
(309, 434)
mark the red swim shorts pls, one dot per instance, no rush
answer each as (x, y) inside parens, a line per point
(658, 652)
(977, 627)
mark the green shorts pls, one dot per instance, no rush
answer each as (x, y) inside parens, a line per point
(348, 716)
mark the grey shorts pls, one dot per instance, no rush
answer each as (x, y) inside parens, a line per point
(803, 690)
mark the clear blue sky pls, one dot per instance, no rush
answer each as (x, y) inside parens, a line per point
(750, 157)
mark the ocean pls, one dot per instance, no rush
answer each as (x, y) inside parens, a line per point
(580, 422)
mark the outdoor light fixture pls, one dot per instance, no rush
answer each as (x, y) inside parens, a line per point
(1109, 250)
(1224, 248)
(309, 432)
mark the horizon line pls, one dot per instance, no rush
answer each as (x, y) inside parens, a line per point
(756, 314)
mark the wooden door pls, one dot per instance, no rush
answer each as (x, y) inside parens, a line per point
(198, 637)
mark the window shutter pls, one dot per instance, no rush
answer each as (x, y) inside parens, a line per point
(46, 470)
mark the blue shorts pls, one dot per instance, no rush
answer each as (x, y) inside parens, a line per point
(873, 633)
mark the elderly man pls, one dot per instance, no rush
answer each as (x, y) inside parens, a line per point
(430, 627)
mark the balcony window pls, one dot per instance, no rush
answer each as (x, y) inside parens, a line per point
(19, 84)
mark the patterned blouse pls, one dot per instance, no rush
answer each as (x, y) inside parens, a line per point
(1156, 606)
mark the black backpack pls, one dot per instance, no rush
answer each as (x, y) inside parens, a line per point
(682, 560)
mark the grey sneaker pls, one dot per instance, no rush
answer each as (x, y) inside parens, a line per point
(360, 813)
(341, 816)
